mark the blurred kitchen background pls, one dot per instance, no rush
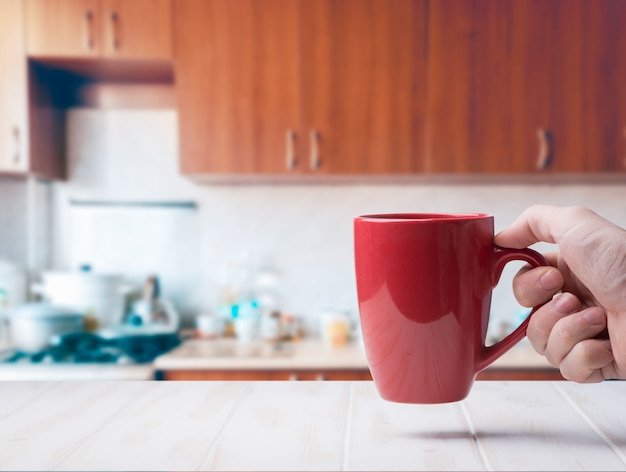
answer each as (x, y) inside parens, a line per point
(152, 139)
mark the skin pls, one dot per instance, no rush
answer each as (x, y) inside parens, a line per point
(581, 329)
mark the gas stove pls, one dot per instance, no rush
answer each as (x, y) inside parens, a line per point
(94, 348)
(76, 355)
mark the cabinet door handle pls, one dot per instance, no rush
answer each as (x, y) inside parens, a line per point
(546, 153)
(89, 43)
(16, 136)
(315, 151)
(114, 22)
(291, 149)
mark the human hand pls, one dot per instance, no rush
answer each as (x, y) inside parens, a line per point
(581, 330)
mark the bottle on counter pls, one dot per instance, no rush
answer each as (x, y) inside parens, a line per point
(271, 329)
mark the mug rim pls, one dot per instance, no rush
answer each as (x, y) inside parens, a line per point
(415, 217)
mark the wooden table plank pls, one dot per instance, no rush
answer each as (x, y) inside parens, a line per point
(529, 426)
(168, 426)
(52, 427)
(308, 426)
(15, 396)
(394, 436)
(285, 426)
(603, 405)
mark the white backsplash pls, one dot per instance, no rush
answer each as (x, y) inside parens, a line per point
(303, 231)
(25, 223)
(13, 221)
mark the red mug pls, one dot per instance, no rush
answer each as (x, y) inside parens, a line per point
(424, 284)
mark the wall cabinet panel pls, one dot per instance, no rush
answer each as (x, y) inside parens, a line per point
(300, 87)
(137, 29)
(28, 145)
(238, 85)
(526, 86)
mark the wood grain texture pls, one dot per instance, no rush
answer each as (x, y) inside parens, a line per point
(136, 29)
(14, 133)
(604, 75)
(56, 423)
(304, 422)
(469, 79)
(596, 405)
(351, 71)
(139, 29)
(394, 436)
(364, 84)
(499, 72)
(237, 84)
(529, 426)
(266, 374)
(63, 27)
(164, 426)
(308, 426)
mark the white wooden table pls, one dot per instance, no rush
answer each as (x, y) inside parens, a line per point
(308, 426)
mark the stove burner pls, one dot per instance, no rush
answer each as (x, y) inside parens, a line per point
(81, 348)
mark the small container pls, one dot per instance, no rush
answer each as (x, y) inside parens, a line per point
(209, 326)
(335, 328)
(246, 329)
(271, 326)
(34, 325)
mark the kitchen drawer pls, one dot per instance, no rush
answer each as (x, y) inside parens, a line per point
(516, 373)
(257, 374)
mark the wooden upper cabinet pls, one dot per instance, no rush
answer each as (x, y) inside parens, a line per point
(238, 85)
(573, 83)
(13, 90)
(526, 86)
(604, 94)
(137, 29)
(363, 74)
(300, 87)
(30, 140)
(473, 97)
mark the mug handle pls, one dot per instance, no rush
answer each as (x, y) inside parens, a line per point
(502, 256)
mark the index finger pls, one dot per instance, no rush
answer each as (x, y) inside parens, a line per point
(542, 223)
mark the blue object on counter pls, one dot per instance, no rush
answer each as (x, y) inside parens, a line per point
(520, 315)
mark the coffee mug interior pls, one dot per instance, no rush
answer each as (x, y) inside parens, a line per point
(424, 216)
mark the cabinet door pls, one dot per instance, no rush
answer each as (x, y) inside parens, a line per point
(469, 102)
(136, 29)
(363, 70)
(62, 28)
(238, 86)
(13, 96)
(604, 76)
(530, 147)
(568, 71)
(526, 86)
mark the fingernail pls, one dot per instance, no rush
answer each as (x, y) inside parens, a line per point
(551, 280)
(594, 316)
(566, 303)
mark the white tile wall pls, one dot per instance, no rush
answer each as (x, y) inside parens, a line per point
(13, 205)
(304, 232)
(25, 223)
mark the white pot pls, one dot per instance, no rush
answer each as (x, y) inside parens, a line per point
(34, 325)
(100, 296)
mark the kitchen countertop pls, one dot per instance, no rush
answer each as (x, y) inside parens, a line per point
(227, 353)
(43, 371)
(154, 425)
(91, 371)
